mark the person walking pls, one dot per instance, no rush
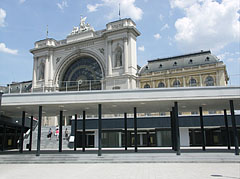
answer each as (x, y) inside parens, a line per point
(66, 134)
(57, 133)
(49, 134)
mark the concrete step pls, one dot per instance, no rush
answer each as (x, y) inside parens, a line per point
(47, 143)
(90, 156)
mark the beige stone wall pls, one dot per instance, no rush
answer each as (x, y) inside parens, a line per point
(199, 73)
(183, 75)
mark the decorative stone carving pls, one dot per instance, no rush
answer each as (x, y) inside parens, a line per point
(101, 50)
(58, 59)
(83, 27)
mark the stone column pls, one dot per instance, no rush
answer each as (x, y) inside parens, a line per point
(34, 71)
(125, 55)
(201, 82)
(184, 81)
(51, 68)
(109, 58)
(46, 71)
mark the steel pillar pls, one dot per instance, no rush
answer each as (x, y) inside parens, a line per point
(99, 130)
(4, 137)
(39, 131)
(234, 128)
(84, 131)
(202, 130)
(172, 129)
(227, 131)
(30, 140)
(75, 133)
(22, 132)
(177, 129)
(60, 131)
(125, 131)
(135, 130)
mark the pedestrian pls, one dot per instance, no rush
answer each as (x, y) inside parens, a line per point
(66, 134)
(57, 133)
(49, 134)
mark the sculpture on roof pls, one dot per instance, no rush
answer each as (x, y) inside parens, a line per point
(83, 27)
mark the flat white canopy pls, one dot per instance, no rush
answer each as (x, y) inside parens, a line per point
(119, 101)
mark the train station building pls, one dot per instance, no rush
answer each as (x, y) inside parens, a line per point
(91, 81)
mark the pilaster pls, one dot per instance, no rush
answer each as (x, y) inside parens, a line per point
(125, 55)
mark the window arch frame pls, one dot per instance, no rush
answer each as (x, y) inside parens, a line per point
(162, 84)
(208, 82)
(146, 86)
(191, 83)
(178, 83)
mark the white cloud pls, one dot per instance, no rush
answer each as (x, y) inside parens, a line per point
(161, 17)
(207, 24)
(22, 1)
(229, 57)
(157, 36)
(182, 3)
(2, 17)
(128, 8)
(141, 48)
(166, 26)
(62, 5)
(4, 49)
(93, 8)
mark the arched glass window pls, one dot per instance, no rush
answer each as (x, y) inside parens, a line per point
(146, 86)
(192, 82)
(161, 85)
(209, 81)
(83, 74)
(176, 83)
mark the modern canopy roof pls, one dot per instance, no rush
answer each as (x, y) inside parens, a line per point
(121, 101)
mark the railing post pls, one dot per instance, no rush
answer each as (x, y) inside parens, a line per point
(9, 88)
(90, 85)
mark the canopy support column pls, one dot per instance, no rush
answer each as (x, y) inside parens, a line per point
(39, 131)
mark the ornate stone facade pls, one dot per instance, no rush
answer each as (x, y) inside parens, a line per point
(113, 49)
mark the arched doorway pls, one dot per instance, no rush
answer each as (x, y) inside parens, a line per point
(84, 73)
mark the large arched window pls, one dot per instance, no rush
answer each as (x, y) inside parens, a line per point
(146, 86)
(176, 83)
(83, 74)
(161, 85)
(209, 81)
(192, 82)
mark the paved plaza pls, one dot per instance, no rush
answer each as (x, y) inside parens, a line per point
(161, 163)
(122, 171)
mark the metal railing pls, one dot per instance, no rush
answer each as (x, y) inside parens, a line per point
(88, 85)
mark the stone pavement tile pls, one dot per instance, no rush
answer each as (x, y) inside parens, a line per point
(122, 171)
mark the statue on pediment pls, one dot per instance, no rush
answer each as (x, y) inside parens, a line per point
(83, 27)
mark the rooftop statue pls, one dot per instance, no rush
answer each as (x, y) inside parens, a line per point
(83, 27)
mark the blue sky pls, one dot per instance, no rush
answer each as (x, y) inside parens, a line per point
(168, 28)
